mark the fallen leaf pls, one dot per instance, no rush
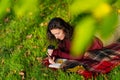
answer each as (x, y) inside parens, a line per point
(29, 36)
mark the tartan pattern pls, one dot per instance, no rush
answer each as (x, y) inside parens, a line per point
(103, 67)
(100, 67)
(45, 62)
(93, 67)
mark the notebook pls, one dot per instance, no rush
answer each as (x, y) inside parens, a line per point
(57, 63)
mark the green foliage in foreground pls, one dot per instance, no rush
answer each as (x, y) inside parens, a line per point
(99, 17)
(23, 44)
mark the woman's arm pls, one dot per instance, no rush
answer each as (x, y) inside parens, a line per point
(96, 44)
(59, 53)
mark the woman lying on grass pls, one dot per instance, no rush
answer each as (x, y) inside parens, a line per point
(60, 31)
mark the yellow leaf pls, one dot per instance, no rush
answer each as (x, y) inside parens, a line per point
(102, 10)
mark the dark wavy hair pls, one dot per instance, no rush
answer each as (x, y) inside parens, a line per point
(58, 23)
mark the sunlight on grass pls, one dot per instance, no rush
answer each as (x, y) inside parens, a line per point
(23, 42)
(24, 8)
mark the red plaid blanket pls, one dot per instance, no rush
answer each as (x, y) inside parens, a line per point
(93, 68)
(102, 66)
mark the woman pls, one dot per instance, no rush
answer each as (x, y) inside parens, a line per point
(95, 60)
(61, 31)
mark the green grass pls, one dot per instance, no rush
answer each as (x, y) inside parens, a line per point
(23, 45)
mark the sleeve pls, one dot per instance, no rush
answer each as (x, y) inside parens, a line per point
(63, 50)
(59, 53)
(96, 44)
(66, 53)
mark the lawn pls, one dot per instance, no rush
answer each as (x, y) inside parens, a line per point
(23, 44)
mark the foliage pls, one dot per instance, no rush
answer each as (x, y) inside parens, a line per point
(100, 19)
(23, 37)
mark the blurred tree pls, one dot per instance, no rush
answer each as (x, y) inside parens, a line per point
(4, 7)
(20, 8)
(99, 18)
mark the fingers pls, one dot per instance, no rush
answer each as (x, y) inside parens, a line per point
(51, 60)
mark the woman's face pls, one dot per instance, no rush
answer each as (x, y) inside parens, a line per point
(58, 33)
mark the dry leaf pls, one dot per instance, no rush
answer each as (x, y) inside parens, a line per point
(21, 73)
(39, 59)
(44, 49)
(8, 10)
(29, 36)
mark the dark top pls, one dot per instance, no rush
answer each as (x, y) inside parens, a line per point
(63, 50)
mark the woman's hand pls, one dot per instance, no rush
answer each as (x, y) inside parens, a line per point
(51, 60)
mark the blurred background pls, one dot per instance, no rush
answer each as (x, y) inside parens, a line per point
(23, 26)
